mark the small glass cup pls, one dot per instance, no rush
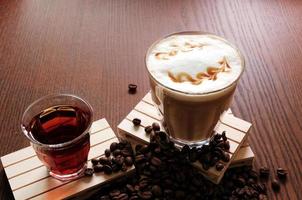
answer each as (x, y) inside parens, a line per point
(58, 129)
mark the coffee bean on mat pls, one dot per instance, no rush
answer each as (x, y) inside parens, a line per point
(88, 172)
(156, 126)
(148, 129)
(136, 122)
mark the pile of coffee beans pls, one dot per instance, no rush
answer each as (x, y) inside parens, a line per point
(119, 157)
(213, 154)
(165, 172)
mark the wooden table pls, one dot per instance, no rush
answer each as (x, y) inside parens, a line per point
(95, 48)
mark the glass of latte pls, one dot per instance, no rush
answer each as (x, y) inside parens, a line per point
(193, 77)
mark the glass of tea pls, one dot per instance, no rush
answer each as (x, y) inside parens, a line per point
(58, 129)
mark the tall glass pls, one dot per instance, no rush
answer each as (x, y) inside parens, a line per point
(190, 118)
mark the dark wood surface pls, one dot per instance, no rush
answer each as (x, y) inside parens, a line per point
(95, 48)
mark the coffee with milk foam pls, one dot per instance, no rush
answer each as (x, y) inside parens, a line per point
(194, 64)
(193, 77)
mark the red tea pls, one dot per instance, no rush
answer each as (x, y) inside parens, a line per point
(57, 126)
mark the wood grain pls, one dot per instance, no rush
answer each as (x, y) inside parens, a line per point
(95, 48)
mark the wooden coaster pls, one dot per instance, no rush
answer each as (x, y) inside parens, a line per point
(236, 132)
(29, 179)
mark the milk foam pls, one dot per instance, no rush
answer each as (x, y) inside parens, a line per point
(195, 53)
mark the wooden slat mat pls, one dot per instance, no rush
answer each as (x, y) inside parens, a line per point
(236, 131)
(29, 179)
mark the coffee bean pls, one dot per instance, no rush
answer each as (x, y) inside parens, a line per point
(240, 182)
(122, 144)
(205, 149)
(206, 158)
(227, 145)
(104, 160)
(152, 137)
(122, 196)
(220, 144)
(251, 181)
(120, 160)
(132, 88)
(264, 172)
(136, 122)
(98, 168)
(144, 149)
(146, 172)
(107, 169)
(95, 161)
(259, 187)
(143, 183)
(179, 194)
(129, 161)
(163, 137)
(130, 188)
(157, 150)
(156, 191)
(116, 152)
(126, 152)
(155, 161)
(114, 193)
(148, 129)
(275, 185)
(140, 159)
(155, 126)
(223, 135)
(281, 173)
(205, 166)
(213, 161)
(145, 195)
(88, 172)
(226, 157)
(262, 197)
(138, 147)
(253, 174)
(219, 166)
(105, 198)
(219, 152)
(113, 146)
(124, 167)
(185, 150)
(134, 197)
(168, 193)
(217, 137)
(115, 168)
(107, 152)
(193, 154)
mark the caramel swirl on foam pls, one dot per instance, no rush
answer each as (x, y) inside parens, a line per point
(187, 47)
(210, 74)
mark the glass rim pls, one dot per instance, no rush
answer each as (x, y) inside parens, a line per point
(195, 33)
(64, 144)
